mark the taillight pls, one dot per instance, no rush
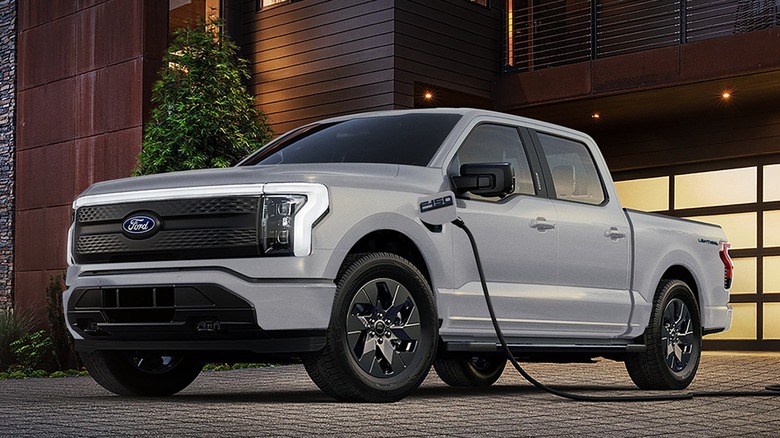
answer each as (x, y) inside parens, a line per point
(728, 265)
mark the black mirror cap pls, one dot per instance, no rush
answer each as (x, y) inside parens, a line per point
(485, 179)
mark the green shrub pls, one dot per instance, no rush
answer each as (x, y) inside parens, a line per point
(34, 351)
(17, 375)
(12, 327)
(204, 116)
(57, 374)
(38, 374)
(3, 375)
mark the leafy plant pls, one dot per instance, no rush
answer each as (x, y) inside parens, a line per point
(12, 327)
(34, 351)
(204, 116)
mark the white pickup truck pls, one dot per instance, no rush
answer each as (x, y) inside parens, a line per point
(313, 249)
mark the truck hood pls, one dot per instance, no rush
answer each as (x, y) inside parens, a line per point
(364, 175)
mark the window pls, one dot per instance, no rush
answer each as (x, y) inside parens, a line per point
(266, 3)
(646, 194)
(489, 143)
(720, 187)
(574, 174)
(186, 13)
(409, 139)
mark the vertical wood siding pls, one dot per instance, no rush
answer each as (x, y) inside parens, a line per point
(314, 58)
(453, 44)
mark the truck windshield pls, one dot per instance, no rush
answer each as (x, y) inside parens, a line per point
(410, 139)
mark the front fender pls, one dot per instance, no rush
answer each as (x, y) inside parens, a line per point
(435, 247)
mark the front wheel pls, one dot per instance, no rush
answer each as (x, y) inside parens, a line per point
(673, 340)
(382, 335)
(474, 371)
(142, 373)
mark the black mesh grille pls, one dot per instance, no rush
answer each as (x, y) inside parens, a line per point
(100, 243)
(184, 207)
(173, 240)
(187, 229)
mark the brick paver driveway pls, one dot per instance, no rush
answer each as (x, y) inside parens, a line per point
(282, 401)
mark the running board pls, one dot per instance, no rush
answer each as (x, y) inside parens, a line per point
(489, 347)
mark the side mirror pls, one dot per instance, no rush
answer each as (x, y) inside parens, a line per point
(485, 179)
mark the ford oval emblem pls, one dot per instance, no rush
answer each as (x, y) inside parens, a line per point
(139, 226)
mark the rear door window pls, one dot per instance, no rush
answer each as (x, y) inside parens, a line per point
(573, 171)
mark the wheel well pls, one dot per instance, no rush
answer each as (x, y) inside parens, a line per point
(680, 273)
(395, 243)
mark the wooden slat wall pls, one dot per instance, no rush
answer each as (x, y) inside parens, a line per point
(453, 44)
(703, 138)
(317, 58)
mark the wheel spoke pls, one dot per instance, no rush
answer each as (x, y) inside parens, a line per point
(409, 332)
(368, 361)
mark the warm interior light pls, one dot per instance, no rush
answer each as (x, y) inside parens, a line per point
(726, 95)
(595, 116)
(428, 95)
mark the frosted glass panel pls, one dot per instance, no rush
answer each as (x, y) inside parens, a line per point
(772, 183)
(771, 228)
(740, 228)
(744, 276)
(722, 187)
(771, 274)
(771, 320)
(743, 324)
(648, 194)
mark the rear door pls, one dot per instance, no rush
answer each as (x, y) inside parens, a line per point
(593, 231)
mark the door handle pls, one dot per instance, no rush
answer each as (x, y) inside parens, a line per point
(541, 224)
(614, 234)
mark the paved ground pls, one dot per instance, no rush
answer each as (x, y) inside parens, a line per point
(282, 401)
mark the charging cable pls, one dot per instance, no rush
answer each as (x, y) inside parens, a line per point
(771, 390)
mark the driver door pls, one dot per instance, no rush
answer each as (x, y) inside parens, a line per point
(517, 238)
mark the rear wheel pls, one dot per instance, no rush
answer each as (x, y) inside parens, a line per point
(673, 340)
(382, 335)
(478, 371)
(142, 373)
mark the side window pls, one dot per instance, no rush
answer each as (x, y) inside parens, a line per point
(574, 174)
(496, 143)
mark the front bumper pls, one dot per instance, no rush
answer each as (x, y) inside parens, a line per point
(203, 309)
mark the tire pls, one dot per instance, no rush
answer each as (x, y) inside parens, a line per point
(134, 373)
(475, 371)
(382, 335)
(673, 340)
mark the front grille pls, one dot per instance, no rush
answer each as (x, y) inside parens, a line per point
(171, 240)
(188, 229)
(184, 207)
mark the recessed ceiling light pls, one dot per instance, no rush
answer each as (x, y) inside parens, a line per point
(595, 116)
(428, 95)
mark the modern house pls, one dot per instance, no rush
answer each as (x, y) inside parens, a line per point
(682, 96)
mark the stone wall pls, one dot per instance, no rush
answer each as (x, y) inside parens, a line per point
(7, 147)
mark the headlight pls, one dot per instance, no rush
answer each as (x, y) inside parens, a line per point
(290, 211)
(277, 231)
